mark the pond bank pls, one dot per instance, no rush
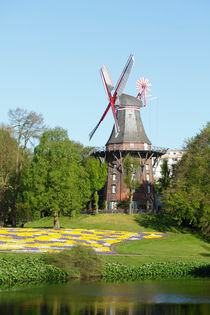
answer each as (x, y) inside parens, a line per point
(27, 269)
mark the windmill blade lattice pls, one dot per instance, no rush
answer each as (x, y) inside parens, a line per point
(143, 85)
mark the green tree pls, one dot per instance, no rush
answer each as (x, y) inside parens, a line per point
(164, 181)
(57, 179)
(187, 199)
(131, 170)
(26, 126)
(97, 172)
(8, 150)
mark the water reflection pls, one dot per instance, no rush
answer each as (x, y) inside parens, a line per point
(145, 297)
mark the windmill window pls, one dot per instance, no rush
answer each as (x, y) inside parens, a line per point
(115, 166)
(147, 167)
(148, 189)
(147, 177)
(114, 189)
(114, 176)
(131, 145)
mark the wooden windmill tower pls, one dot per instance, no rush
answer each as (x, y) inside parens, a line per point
(127, 137)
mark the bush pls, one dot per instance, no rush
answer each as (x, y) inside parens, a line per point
(80, 261)
(123, 205)
(154, 270)
(23, 269)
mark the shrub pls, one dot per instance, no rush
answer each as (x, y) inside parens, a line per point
(80, 261)
(23, 269)
(153, 270)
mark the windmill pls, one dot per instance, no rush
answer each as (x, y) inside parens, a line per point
(127, 137)
(109, 87)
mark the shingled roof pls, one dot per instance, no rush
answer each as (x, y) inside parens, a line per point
(130, 123)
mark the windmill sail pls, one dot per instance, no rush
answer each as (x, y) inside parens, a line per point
(98, 124)
(108, 86)
(124, 76)
(106, 78)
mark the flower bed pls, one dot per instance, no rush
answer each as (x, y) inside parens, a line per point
(49, 240)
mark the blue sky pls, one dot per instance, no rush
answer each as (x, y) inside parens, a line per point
(51, 52)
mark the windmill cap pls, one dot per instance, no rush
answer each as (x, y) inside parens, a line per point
(128, 100)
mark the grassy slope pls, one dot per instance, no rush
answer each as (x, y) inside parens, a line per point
(118, 222)
(177, 246)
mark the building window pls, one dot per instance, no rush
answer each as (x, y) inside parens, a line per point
(113, 205)
(114, 177)
(148, 189)
(147, 177)
(113, 189)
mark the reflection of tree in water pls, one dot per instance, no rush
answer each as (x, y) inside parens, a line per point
(55, 307)
(143, 297)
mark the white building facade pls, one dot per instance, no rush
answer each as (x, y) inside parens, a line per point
(173, 156)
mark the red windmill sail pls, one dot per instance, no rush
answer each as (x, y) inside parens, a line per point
(108, 85)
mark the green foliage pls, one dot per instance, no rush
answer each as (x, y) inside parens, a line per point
(23, 214)
(57, 180)
(188, 197)
(164, 181)
(22, 269)
(80, 261)
(97, 174)
(130, 167)
(8, 149)
(154, 270)
(131, 178)
(159, 222)
(26, 127)
(123, 204)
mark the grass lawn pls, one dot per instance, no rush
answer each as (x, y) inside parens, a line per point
(117, 222)
(179, 245)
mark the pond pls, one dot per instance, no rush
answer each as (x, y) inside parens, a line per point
(186, 296)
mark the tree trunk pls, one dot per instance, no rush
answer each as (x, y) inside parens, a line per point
(16, 189)
(1, 218)
(13, 208)
(130, 212)
(90, 205)
(56, 221)
(96, 198)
